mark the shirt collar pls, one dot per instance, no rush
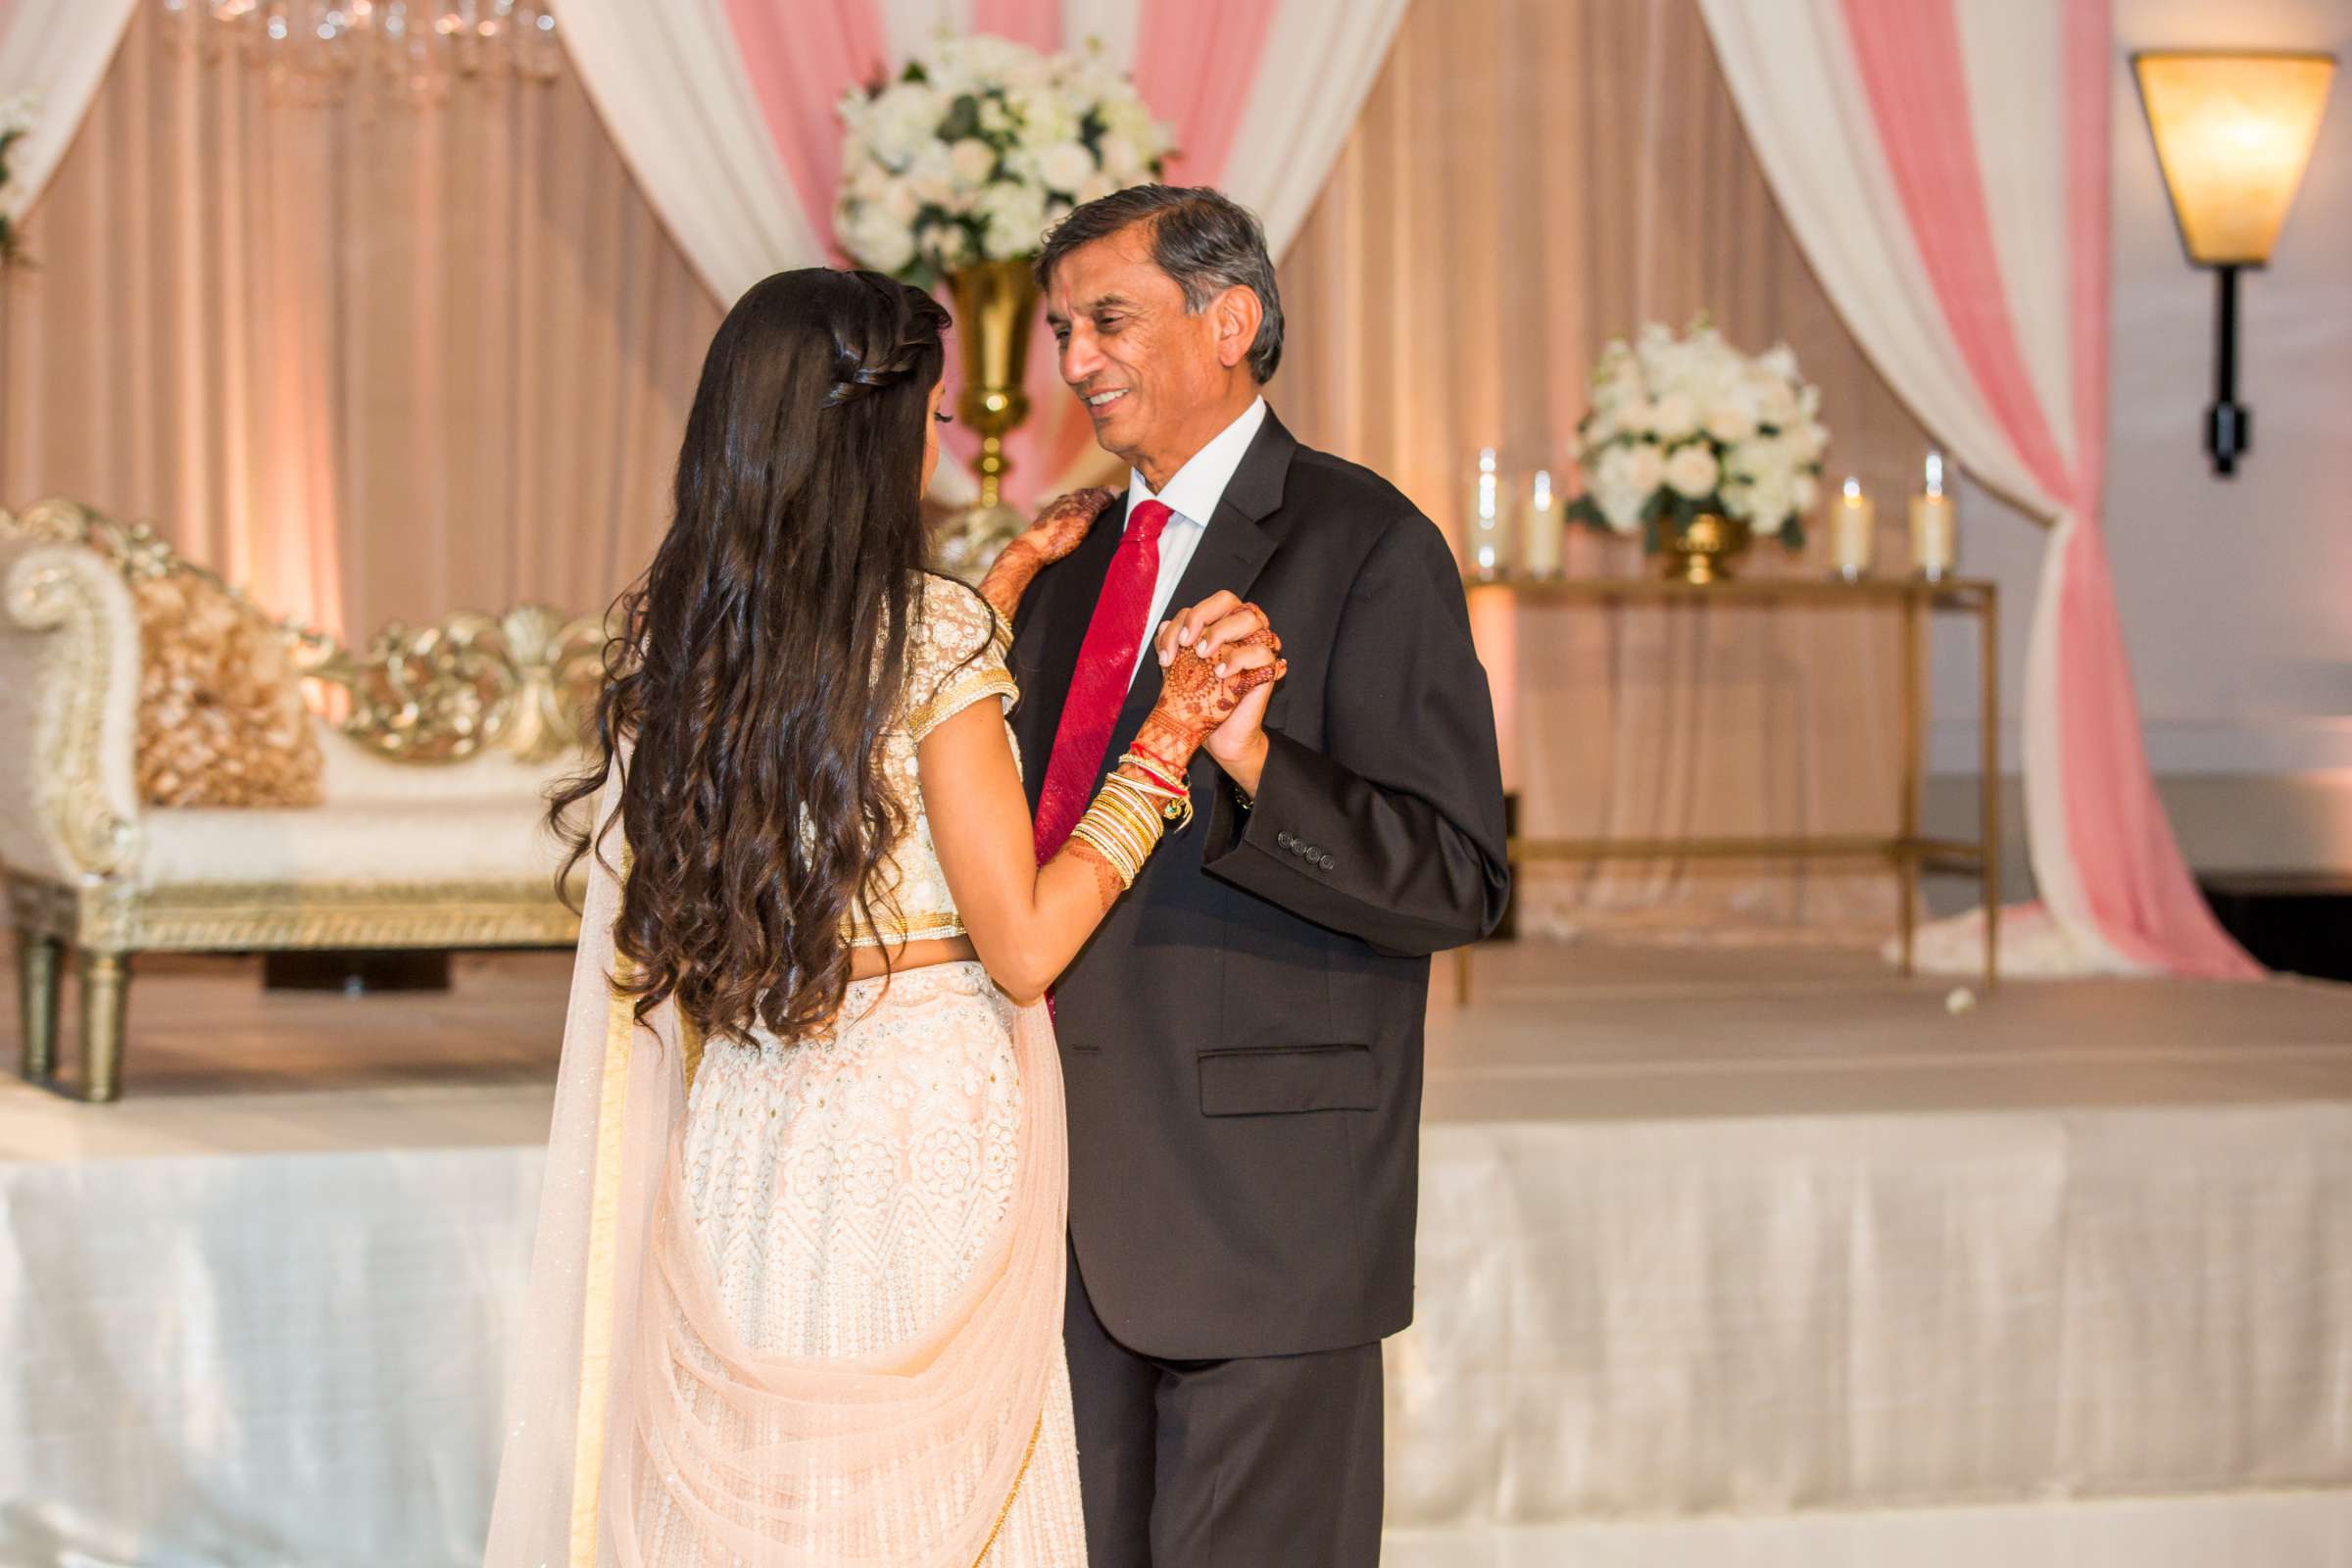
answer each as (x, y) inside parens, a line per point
(1195, 489)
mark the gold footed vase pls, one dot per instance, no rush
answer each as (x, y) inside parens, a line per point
(1702, 550)
(995, 302)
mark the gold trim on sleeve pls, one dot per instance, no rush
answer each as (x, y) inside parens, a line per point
(961, 692)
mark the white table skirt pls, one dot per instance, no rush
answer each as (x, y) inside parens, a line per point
(1625, 1326)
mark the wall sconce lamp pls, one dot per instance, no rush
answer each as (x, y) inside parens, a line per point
(2233, 132)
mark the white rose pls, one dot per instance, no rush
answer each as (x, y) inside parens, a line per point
(1674, 416)
(1046, 117)
(1764, 459)
(1769, 503)
(1016, 221)
(1644, 467)
(1096, 186)
(972, 161)
(879, 240)
(1125, 116)
(1807, 443)
(1779, 362)
(931, 176)
(1620, 508)
(1633, 415)
(995, 118)
(1729, 424)
(1804, 493)
(1121, 161)
(1693, 470)
(902, 123)
(948, 246)
(897, 199)
(1777, 406)
(1065, 165)
(988, 58)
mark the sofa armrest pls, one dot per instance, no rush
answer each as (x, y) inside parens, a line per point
(69, 702)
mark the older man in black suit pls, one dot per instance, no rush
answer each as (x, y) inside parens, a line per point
(1243, 1037)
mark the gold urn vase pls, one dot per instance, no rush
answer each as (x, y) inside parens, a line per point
(995, 302)
(1702, 547)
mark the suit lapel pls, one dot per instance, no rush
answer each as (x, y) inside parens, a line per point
(1230, 555)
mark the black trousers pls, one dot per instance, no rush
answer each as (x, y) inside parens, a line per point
(1224, 1464)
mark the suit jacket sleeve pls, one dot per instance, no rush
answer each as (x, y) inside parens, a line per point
(1394, 832)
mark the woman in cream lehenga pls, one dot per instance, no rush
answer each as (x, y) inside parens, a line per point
(797, 1297)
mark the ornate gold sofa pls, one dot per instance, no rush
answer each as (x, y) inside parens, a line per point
(428, 830)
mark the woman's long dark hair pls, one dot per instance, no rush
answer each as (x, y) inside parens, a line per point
(762, 655)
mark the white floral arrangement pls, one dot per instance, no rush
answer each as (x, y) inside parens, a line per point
(1682, 425)
(18, 116)
(972, 153)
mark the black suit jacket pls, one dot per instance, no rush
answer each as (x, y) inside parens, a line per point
(1242, 1038)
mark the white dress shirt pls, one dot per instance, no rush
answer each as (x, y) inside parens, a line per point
(1192, 497)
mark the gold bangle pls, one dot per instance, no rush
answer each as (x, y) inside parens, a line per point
(1178, 807)
(1123, 818)
(1141, 821)
(1117, 817)
(1085, 834)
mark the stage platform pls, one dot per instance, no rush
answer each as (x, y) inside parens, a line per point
(1752, 1258)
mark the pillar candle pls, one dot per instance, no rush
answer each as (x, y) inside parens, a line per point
(1485, 522)
(1853, 525)
(1931, 533)
(1541, 536)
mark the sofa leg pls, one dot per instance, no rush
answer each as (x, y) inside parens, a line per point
(39, 965)
(105, 980)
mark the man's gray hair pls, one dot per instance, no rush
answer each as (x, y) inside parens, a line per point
(1202, 238)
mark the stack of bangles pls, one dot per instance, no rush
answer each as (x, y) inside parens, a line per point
(1124, 821)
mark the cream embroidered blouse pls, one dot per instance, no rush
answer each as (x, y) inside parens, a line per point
(955, 658)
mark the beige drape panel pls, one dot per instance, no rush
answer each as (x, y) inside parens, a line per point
(1530, 178)
(373, 365)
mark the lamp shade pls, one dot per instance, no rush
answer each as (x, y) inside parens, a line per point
(2233, 132)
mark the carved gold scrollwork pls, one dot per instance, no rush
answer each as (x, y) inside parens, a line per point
(521, 682)
(525, 682)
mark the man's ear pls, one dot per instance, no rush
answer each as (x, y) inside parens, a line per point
(1237, 314)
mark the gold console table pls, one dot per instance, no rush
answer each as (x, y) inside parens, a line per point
(1908, 851)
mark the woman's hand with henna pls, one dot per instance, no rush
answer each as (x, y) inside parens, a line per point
(1058, 530)
(1064, 522)
(1222, 629)
(1199, 693)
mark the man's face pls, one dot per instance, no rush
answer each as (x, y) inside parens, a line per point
(1144, 366)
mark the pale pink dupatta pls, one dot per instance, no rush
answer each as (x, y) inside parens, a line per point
(631, 1388)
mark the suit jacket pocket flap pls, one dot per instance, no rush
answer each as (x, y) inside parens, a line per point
(1257, 1083)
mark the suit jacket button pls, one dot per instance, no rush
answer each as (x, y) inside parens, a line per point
(1324, 861)
(1307, 850)
(1284, 839)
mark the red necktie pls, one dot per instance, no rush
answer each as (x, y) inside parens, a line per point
(1098, 685)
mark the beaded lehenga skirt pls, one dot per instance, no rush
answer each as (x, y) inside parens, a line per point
(843, 1189)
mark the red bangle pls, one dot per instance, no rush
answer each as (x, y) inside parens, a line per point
(1144, 765)
(1141, 749)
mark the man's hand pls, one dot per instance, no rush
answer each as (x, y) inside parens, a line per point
(1219, 625)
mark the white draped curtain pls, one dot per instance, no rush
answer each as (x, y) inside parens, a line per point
(1945, 167)
(57, 50)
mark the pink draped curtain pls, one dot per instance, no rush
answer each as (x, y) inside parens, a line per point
(2134, 884)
